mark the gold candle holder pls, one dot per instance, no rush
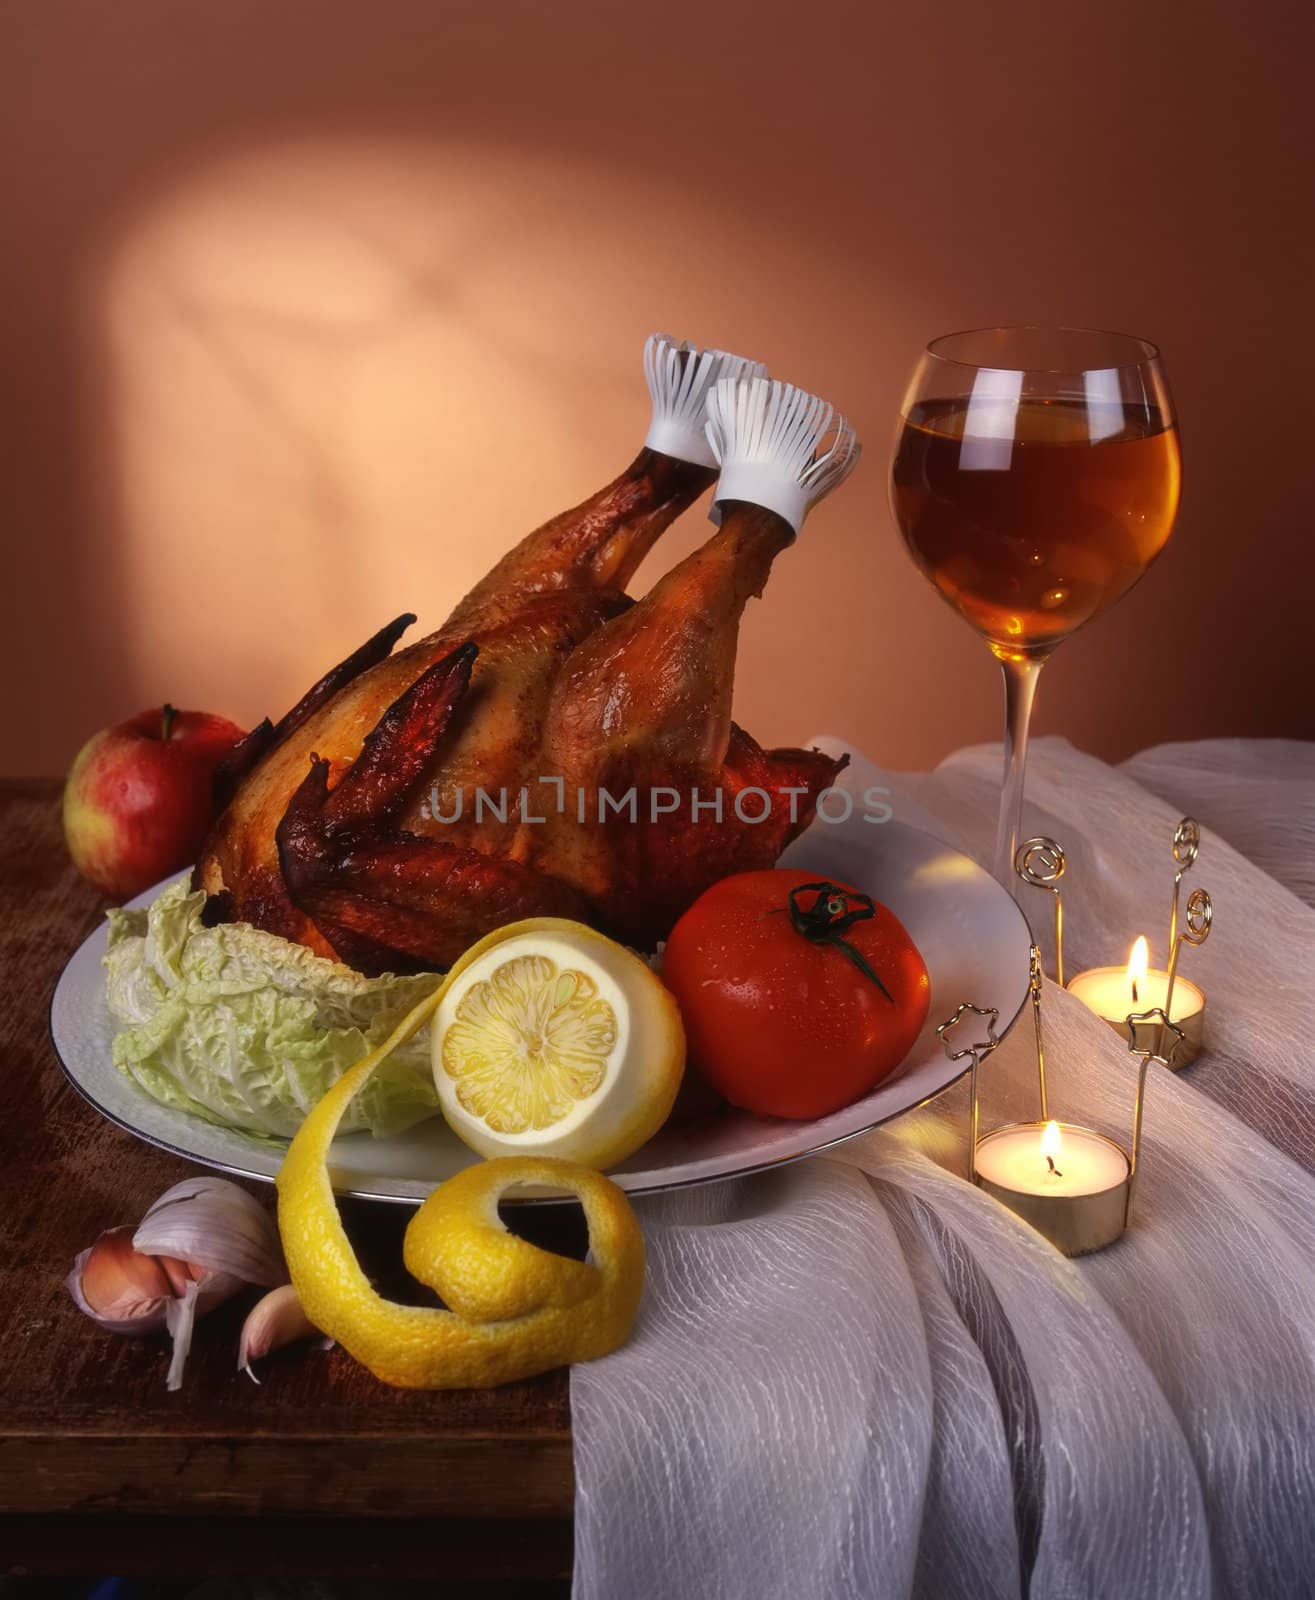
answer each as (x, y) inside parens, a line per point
(1113, 994)
(1072, 1184)
(1076, 1224)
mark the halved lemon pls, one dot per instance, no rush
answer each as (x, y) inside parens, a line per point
(553, 1040)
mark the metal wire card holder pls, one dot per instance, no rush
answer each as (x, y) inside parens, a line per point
(1073, 1184)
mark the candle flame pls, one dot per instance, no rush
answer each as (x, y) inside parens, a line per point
(1138, 962)
(1050, 1141)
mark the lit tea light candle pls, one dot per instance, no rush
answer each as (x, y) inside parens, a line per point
(1070, 1183)
(1053, 1159)
(1114, 992)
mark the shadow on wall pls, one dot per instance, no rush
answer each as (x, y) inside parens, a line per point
(315, 312)
(339, 379)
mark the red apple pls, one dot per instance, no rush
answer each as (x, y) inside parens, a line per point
(137, 804)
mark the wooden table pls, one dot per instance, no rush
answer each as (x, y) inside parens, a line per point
(321, 1471)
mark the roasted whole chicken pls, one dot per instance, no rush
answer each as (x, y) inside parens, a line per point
(555, 748)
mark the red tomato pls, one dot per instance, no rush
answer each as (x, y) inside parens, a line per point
(781, 1019)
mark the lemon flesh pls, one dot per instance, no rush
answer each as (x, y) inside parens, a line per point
(551, 1039)
(528, 1043)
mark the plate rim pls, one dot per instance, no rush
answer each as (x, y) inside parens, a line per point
(670, 1186)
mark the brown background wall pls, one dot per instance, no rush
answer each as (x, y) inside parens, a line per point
(310, 309)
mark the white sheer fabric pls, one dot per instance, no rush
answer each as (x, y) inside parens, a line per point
(860, 1376)
(1261, 794)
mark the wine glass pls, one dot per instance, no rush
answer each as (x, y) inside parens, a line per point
(1036, 478)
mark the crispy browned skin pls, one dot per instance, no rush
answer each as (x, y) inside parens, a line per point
(247, 753)
(380, 894)
(646, 701)
(545, 669)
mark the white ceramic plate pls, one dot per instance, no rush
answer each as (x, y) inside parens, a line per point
(971, 935)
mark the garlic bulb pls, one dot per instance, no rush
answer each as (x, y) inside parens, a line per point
(275, 1320)
(200, 1242)
(212, 1222)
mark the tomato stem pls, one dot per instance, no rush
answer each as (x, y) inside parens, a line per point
(833, 912)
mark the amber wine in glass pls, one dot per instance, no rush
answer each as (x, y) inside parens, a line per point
(1035, 479)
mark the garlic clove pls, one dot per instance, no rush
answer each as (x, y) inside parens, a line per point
(179, 1273)
(113, 1272)
(214, 1225)
(275, 1320)
(117, 1287)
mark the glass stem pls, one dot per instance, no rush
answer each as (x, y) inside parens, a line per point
(1020, 691)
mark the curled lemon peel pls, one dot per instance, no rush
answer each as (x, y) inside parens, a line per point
(514, 1310)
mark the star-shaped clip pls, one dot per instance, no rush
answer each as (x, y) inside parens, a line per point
(979, 1048)
(1168, 1030)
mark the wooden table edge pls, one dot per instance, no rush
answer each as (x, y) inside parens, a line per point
(486, 1477)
